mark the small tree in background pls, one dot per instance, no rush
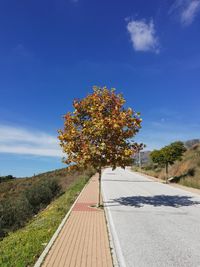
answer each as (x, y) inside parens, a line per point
(168, 155)
(157, 157)
(99, 130)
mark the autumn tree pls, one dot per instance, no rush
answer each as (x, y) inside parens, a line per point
(168, 155)
(99, 132)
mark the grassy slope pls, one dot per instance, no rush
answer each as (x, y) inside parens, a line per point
(17, 186)
(22, 198)
(22, 247)
(187, 171)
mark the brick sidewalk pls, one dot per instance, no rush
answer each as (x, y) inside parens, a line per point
(83, 241)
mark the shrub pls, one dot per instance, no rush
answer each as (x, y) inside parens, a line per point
(54, 186)
(40, 194)
(191, 172)
(6, 178)
(21, 199)
(148, 167)
(14, 213)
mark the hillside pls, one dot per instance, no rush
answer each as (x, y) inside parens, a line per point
(22, 198)
(14, 187)
(23, 246)
(186, 171)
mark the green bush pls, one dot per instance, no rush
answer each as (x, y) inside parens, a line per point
(22, 247)
(41, 194)
(149, 166)
(6, 178)
(14, 213)
(21, 199)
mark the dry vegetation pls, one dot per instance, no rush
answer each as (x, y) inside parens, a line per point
(22, 198)
(23, 246)
(186, 171)
(15, 187)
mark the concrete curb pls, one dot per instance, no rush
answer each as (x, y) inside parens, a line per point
(55, 235)
(116, 252)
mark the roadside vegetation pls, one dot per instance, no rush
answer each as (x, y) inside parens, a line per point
(6, 178)
(22, 247)
(167, 156)
(21, 199)
(185, 171)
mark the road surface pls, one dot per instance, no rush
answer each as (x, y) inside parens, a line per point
(152, 224)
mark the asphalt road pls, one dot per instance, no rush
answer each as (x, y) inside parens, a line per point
(152, 224)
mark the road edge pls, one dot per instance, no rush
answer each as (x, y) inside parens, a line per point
(116, 251)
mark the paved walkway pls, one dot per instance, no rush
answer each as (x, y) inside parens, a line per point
(83, 241)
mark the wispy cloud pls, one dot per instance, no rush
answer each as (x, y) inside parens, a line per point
(143, 35)
(186, 10)
(190, 12)
(17, 140)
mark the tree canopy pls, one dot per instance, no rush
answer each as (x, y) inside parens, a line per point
(168, 154)
(99, 131)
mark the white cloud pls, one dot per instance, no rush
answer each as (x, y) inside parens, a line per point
(190, 12)
(186, 10)
(143, 36)
(17, 140)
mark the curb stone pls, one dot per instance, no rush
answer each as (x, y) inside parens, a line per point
(116, 252)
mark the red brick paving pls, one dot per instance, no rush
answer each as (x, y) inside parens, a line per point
(83, 241)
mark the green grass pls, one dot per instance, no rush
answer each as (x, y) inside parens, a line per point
(22, 247)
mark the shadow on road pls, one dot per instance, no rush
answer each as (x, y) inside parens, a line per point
(157, 201)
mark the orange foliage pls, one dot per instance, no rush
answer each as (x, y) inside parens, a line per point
(99, 130)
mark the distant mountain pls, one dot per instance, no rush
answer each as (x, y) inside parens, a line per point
(191, 143)
(144, 157)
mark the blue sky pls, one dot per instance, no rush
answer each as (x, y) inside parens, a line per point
(54, 51)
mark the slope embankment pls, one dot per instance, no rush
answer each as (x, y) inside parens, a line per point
(185, 172)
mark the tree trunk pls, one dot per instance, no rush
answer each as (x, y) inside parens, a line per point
(167, 172)
(140, 165)
(99, 188)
